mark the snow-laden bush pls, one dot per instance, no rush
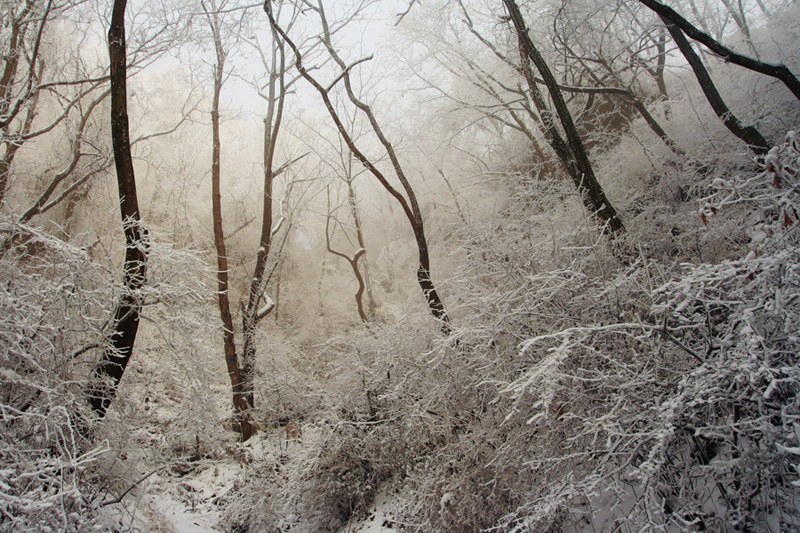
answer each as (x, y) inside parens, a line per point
(56, 303)
(333, 457)
(688, 417)
(51, 298)
(646, 395)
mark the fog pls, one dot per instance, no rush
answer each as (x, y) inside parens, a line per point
(441, 265)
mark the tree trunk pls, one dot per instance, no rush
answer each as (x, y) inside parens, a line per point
(353, 262)
(242, 396)
(351, 198)
(748, 134)
(575, 157)
(108, 372)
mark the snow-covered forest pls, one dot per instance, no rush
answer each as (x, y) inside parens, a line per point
(400, 265)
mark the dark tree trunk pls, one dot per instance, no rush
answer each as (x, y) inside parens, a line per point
(108, 373)
(575, 157)
(748, 134)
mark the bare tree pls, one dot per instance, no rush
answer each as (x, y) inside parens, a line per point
(108, 372)
(572, 153)
(352, 202)
(242, 393)
(48, 93)
(409, 202)
(607, 50)
(345, 168)
(352, 261)
(259, 305)
(241, 366)
(22, 21)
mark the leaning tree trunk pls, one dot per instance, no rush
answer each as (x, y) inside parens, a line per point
(775, 70)
(108, 372)
(410, 206)
(748, 134)
(573, 154)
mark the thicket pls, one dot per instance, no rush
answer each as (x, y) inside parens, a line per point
(646, 382)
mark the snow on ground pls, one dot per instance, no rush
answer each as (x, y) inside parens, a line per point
(181, 518)
(379, 519)
(189, 503)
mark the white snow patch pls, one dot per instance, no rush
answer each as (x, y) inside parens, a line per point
(379, 518)
(181, 518)
(190, 503)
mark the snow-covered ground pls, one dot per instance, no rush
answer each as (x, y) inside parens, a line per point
(189, 504)
(378, 520)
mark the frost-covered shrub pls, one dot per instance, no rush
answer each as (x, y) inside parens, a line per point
(739, 407)
(163, 404)
(645, 396)
(56, 302)
(51, 297)
(327, 474)
(332, 459)
(688, 417)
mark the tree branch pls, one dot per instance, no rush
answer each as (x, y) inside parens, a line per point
(775, 70)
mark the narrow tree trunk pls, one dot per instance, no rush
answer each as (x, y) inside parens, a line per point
(108, 372)
(658, 72)
(351, 198)
(360, 279)
(241, 404)
(254, 312)
(661, 48)
(748, 134)
(575, 158)
(741, 22)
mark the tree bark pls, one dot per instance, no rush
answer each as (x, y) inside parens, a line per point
(574, 157)
(365, 279)
(108, 372)
(748, 134)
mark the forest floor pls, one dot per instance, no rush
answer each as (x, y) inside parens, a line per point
(192, 499)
